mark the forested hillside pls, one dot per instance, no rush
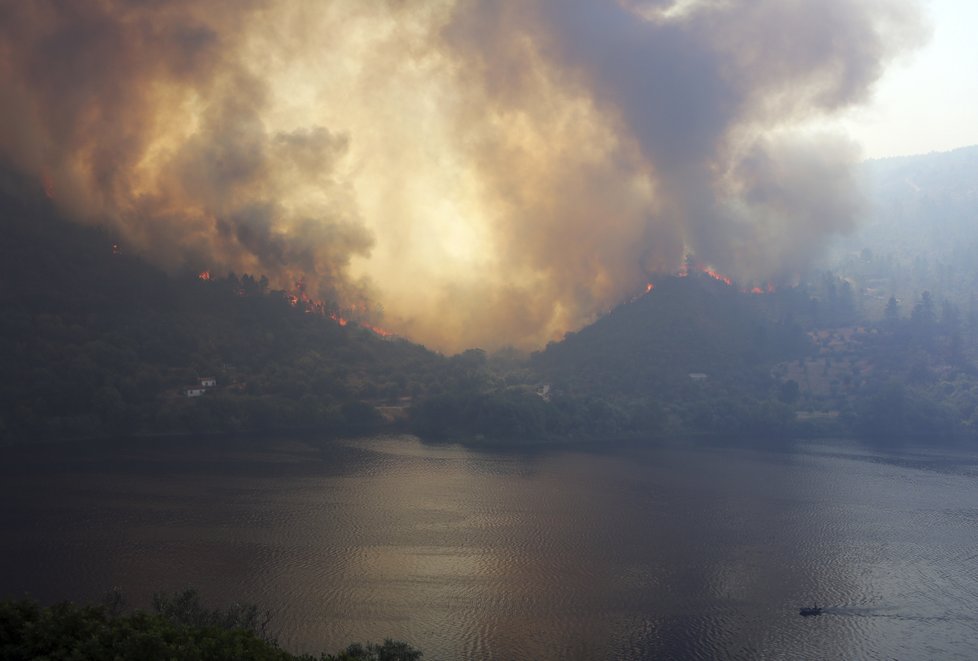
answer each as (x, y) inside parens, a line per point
(696, 348)
(686, 325)
(882, 344)
(95, 341)
(920, 232)
(899, 361)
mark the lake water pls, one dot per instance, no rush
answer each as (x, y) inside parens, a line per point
(631, 552)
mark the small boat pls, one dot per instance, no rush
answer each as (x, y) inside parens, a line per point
(806, 611)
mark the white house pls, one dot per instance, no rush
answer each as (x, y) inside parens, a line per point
(208, 382)
(195, 391)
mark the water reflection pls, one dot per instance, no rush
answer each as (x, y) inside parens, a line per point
(632, 553)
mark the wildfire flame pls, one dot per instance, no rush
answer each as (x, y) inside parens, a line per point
(298, 297)
(376, 330)
(717, 276)
(689, 265)
(342, 318)
(708, 270)
(644, 292)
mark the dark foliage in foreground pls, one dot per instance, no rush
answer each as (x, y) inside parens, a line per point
(180, 629)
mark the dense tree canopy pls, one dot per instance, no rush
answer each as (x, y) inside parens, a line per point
(180, 628)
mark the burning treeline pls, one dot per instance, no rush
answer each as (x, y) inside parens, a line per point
(484, 172)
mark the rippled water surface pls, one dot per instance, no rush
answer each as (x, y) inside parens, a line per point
(636, 552)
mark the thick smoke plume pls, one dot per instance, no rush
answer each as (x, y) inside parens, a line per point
(468, 173)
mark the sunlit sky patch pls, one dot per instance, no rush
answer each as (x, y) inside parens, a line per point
(927, 100)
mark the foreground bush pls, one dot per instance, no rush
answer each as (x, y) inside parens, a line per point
(180, 629)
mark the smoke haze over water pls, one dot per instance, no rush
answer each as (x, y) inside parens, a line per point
(469, 173)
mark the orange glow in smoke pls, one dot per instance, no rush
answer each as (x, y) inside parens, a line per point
(48, 184)
(204, 275)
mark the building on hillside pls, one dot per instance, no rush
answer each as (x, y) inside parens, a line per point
(205, 382)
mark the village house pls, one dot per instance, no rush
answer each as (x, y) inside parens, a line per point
(198, 390)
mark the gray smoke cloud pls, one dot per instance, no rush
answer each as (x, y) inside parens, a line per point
(484, 172)
(712, 94)
(100, 96)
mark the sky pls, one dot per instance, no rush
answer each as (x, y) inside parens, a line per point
(928, 99)
(477, 172)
